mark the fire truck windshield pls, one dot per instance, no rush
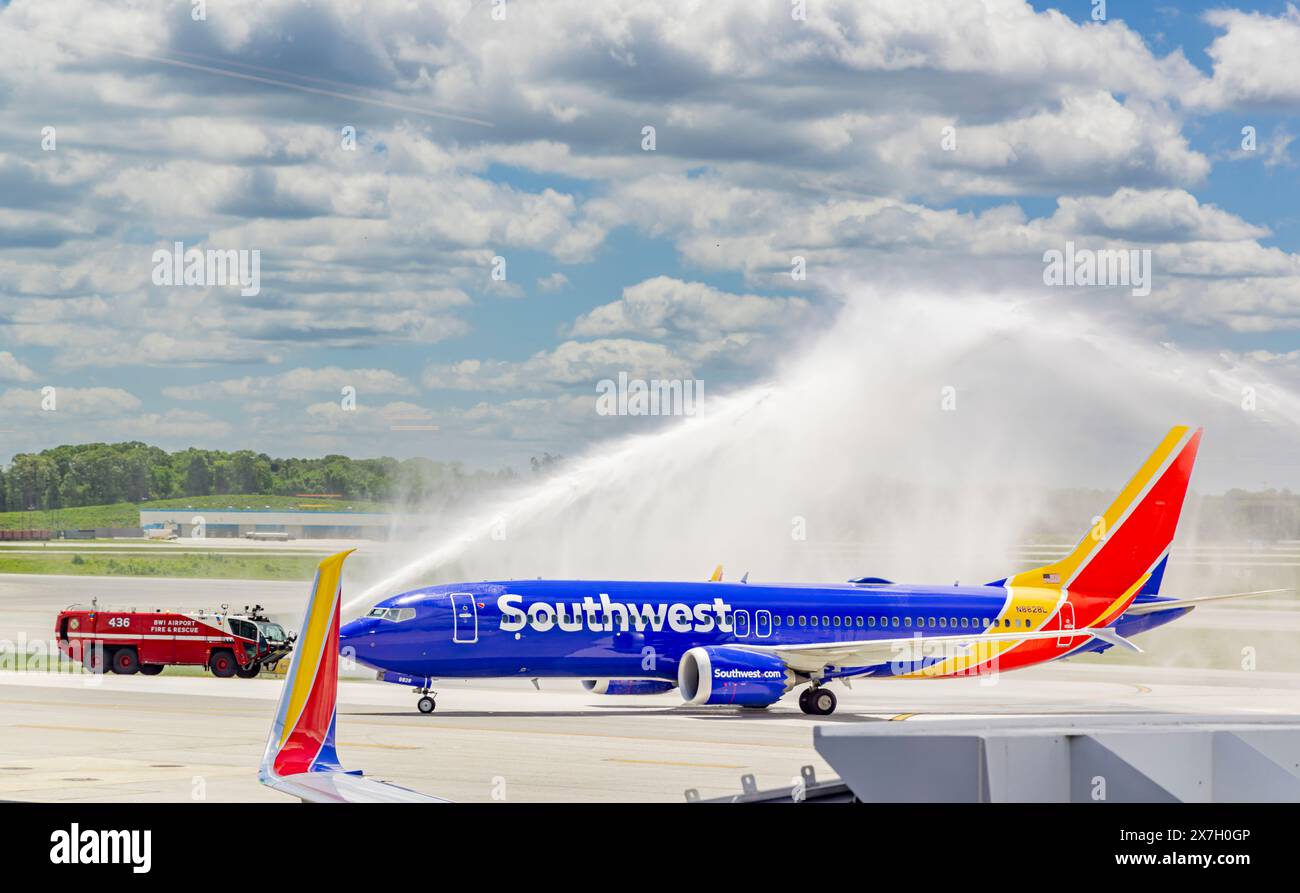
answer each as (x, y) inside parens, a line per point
(273, 632)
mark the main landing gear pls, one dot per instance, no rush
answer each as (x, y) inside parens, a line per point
(817, 701)
(426, 704)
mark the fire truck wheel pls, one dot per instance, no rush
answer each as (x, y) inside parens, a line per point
(249, 671)
(95, 660)
(222, 664)
(125, 662)
(151, 669)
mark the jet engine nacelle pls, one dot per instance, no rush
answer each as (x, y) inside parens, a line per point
(722, 674)
(627, 686)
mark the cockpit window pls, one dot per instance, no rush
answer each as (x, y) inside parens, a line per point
(394, 615)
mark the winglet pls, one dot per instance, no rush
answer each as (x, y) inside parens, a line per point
(302, 736)
(300, 758)
(717, 575)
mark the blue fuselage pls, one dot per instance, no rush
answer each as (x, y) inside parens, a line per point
(639, 630)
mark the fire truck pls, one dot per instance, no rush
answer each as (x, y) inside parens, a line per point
(126, 641)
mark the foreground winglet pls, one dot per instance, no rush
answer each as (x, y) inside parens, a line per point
(300, 757)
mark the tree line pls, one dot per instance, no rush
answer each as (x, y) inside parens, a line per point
(106, 473)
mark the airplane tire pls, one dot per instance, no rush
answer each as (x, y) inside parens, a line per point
(426, 704)
(822, 702)
(125, 662)
(151, 669)
(222, 664)
(803, 700)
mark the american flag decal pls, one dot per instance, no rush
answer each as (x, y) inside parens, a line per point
(1051, 578)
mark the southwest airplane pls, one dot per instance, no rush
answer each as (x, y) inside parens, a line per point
(739, 644)
(748, 644)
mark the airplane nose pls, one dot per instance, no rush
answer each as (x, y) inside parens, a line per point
(351, 630)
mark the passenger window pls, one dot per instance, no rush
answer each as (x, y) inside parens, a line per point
(789, 620)
(907, 621)
(871, 621)
(837, 619)
(803, 619)
(964, 623)
(895, 619)
(814, 620)
(859, 620)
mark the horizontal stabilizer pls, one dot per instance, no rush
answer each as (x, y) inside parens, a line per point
(1177, 604)
(1110, 637)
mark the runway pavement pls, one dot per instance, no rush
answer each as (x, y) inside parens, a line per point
(197, 738)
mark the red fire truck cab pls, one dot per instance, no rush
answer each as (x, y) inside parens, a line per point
(129, 641)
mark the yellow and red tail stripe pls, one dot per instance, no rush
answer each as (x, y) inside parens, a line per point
(1100, 578)
(302, 739)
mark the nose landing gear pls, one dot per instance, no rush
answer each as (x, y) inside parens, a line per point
(817, 701)
(426, 704)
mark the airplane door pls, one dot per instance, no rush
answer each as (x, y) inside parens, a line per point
(1067, 623)
(762, 624)
(741, 621)
(464, 613)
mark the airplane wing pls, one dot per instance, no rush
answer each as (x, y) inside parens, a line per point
(814, 657)
(300, 758)
(1176, 604)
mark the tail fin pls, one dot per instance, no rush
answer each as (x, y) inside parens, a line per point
(302, 737)
(1130, 542)
(300, 758)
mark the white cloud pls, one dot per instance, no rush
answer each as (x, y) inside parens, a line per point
(13, 370)
(294, 384)
(571, 363)
(664, 306)
(1254, 60)
(93, 402)
(552, 282)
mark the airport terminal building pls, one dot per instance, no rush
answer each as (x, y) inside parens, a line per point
(272, 523)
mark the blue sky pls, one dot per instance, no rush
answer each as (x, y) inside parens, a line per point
(775, 137)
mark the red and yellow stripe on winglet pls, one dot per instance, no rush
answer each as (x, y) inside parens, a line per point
(302, 737)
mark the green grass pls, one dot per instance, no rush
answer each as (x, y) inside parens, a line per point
(218, 566)
(127, 514)
(122, 514)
